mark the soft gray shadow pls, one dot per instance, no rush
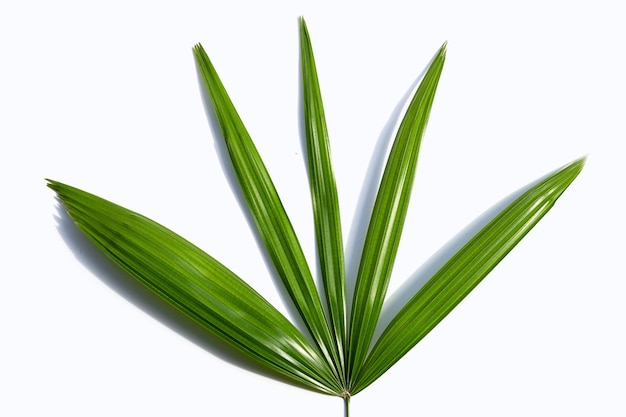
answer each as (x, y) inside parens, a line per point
(229, 172)
(369, 189)
(123, 284)
(397, 300)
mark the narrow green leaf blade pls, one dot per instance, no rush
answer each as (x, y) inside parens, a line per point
(463, 272)
(385, 228)
(267, 210)
(323, 195)
(199, 286)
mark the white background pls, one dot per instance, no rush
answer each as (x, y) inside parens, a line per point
(105, 96)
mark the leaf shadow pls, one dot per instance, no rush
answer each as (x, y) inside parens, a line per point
(114, 277)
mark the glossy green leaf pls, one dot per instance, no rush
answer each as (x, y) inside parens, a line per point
(463, 271)
(267, 210)
(199, 286)
(323, 195)
(341, 361)
(388, 214)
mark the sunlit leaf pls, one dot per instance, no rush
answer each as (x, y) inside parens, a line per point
(268, 212)
(324, 196)
(341, 360)
(197, 285)
(388, 214)
(456, 278)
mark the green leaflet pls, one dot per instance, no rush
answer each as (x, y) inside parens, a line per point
(268, 212)
(324, 197)
(463, 272)
(388, 214)
(199, 286)
(342, 361)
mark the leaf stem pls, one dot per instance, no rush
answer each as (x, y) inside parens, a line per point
(346, 402)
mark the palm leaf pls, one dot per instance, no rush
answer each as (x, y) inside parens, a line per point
(324, 196)
(199, 286)
(388, 214)
(462, 272)
(341, 361)
(268, 212)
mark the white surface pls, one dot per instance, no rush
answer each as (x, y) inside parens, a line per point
(107, 98)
